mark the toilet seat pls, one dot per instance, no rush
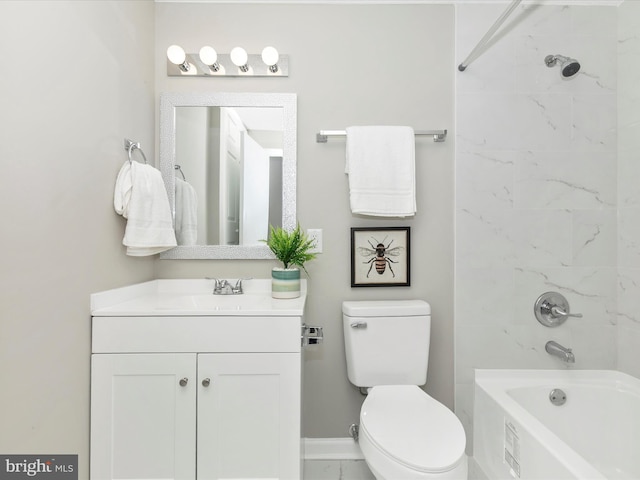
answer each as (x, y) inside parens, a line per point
(412, 428)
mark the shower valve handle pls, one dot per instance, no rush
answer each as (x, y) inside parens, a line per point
(558, 312)
(552, 309)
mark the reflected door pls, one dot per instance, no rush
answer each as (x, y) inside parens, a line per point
(254, 222)
(231, 129)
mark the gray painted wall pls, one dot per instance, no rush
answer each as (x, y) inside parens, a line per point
(63, 123)
(78, 80)
(349, 65)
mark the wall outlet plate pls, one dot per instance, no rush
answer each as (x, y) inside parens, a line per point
(315, 234)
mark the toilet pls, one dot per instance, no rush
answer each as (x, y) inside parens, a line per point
(404, 433)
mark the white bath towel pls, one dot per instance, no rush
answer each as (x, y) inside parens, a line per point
(381, 169)
(141, 198)
(186, 213)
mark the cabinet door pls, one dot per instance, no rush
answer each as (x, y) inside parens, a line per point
(249, 416)
(143, 416)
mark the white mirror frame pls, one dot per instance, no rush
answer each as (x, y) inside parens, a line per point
(287, 101)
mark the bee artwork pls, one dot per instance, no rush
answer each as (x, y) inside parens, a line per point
(380, 257)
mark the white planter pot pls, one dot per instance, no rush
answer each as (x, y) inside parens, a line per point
(285, 282)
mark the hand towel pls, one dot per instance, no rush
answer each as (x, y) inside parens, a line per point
(141, 198)
(381, 169)
(186, 213)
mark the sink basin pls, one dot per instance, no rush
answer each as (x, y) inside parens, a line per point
(213, 302)
(194, 297)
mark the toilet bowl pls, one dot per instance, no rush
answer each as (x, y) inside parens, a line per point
(405, 434)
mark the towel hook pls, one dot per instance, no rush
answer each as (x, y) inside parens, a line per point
(130, 146)
(179, 168)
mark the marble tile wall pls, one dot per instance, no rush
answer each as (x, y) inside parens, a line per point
(628, 190)
(536, 191)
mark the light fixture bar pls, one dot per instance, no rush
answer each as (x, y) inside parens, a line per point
(255, 67)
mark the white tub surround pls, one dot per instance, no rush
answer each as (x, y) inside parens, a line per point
(543, 424)
(536, 191)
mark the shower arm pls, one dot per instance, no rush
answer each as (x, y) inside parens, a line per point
(475, 53)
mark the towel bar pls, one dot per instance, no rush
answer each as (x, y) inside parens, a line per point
(323, 135)
(130, 146)
(179, 168)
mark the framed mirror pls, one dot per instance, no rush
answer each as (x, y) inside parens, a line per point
(228, 161)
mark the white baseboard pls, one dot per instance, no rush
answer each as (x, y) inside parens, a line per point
(331, 449)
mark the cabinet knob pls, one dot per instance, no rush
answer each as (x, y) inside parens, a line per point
(206, 382)
(184, 381)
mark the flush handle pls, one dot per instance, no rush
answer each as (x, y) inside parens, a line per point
(359, 325)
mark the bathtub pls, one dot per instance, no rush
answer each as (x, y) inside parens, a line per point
(519, 433)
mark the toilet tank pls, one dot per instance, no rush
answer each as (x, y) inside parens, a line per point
(387, 341)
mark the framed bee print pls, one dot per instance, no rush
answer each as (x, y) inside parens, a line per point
(380, 257)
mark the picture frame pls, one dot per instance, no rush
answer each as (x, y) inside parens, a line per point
(380, 257)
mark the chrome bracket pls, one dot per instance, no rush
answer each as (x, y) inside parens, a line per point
(311, 335)
(354, 431)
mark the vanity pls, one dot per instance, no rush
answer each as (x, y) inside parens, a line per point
(190, 385)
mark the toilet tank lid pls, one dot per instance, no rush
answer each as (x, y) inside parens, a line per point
(385, 308)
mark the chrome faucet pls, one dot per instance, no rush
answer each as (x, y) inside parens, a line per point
(223, 287)
(557, 350)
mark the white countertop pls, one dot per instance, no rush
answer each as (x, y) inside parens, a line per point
(194, 297)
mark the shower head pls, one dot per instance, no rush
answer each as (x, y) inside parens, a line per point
(568, 66)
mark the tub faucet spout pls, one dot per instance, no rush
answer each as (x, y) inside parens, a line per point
(557, 350)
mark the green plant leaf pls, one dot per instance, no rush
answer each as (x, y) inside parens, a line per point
(291, 248)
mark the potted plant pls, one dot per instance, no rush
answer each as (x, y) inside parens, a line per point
(292, 248)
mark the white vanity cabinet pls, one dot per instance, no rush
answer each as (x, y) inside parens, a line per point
(143, 423)
(195, 396)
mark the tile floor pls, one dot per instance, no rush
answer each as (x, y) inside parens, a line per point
(337, 470)
(358, 470)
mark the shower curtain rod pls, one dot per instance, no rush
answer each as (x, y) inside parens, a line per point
(474, 53)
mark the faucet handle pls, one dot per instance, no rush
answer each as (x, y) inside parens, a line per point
(238, 288)
(218, 284)
(558, 312)
(552, 309)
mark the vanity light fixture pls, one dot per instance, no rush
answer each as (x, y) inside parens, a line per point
(238, 63)
(270, 58)
(239, 57)
(177, 56)
(209, 57)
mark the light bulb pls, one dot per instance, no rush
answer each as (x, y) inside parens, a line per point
(270, 57)
(176, 54)
(239, 58)
(209, 57)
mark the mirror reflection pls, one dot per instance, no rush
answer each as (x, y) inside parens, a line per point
(228, 161)
(233, 158)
